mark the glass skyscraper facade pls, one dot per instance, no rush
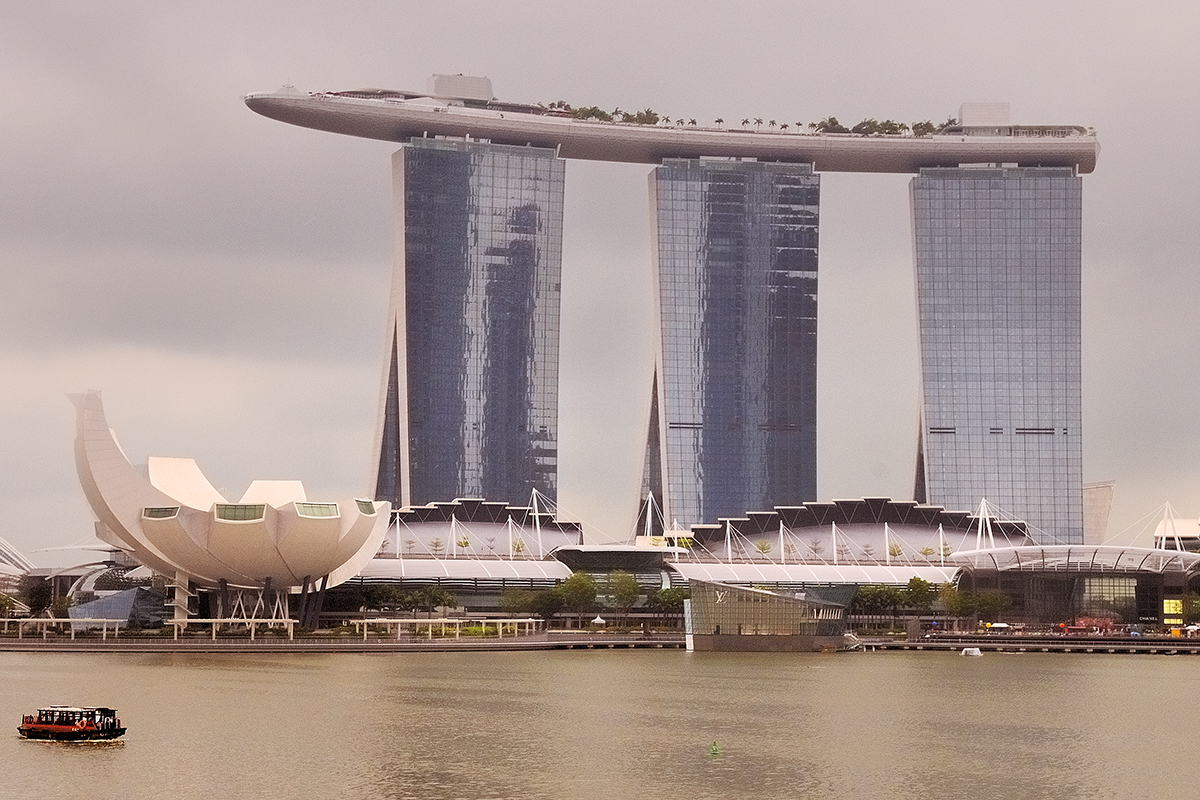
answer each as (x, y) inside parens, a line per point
(997, 254)
(470, 391)
(733, 410)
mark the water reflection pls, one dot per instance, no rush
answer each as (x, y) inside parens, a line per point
(609, 725)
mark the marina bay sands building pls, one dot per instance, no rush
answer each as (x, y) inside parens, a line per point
(470, 400)
(469, 395)
(998, 295)
(735, 395)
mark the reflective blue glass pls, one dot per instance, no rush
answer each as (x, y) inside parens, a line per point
(998, 292)
(736, 279)
(472, 382)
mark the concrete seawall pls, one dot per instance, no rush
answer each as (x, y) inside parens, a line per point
(341, 644)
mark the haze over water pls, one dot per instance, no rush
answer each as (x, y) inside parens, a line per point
(610, 724)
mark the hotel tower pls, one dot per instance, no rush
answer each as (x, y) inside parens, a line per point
(733, 405)
(470, 391)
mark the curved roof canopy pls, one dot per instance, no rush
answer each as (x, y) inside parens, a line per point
(1078, 558)
(171, 519)
(463, 569)
(896, 574)
(400, 116)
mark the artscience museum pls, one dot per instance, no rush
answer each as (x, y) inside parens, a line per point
(222, 558)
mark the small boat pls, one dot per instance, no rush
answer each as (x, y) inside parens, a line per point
(71, 724)
(971, 651)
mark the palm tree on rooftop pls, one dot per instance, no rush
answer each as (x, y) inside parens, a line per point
(719, 122)
(745, 121)
(783, 127)
(666, 120)
(692, 122)
(772, 124)
(757, 123)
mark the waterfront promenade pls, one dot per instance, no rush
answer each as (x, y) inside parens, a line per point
(344, 643)
(1143, 645)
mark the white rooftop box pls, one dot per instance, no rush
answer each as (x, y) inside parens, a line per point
(984, 115)
(460, 87)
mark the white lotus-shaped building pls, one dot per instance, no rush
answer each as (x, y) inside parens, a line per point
(170, 518)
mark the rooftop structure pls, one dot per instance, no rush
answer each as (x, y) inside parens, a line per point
(398, 116)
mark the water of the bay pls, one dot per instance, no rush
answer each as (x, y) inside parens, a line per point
(610, 724)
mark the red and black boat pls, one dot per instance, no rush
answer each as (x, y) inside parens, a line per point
(72, 724)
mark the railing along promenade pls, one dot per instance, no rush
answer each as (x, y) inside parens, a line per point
(1035, 643)
(281, 636)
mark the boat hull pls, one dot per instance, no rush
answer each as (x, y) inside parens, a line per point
(61, 734)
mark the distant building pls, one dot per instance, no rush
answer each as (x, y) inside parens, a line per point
(997, 254)
(733, 408)
(469, 401)
(1097, 504)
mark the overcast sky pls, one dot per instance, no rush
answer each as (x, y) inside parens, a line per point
(223, 278)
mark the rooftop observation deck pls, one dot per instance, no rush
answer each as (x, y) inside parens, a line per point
(399, 116)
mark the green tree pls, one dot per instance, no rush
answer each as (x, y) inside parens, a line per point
(37, 594)
(919, 594)
(517, 601)
(645, 117)
(1191, 607)
(548, 602)
(7, 604)
(429, 598)
(763, 547)
(956, 602)
(925, 128)
(866, 127)
(579, 592)
(830, 125)
(895, 550)
(623, 591)
(668, 601)
(58, 609)
(991, 604)
(591, 112)
(873, 600)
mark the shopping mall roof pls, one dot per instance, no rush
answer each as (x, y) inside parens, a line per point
(1079, 558)
(769, 574)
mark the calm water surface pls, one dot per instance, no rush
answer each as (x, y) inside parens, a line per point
(610, 724)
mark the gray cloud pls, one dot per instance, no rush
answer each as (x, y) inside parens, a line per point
(223, 277)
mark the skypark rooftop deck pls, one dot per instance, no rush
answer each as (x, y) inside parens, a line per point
(400, 116)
